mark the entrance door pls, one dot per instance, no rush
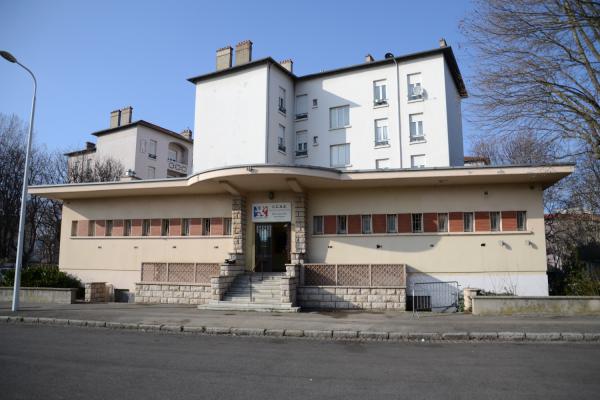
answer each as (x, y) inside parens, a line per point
(272, 247)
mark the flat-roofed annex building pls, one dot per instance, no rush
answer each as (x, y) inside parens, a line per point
(300, 231)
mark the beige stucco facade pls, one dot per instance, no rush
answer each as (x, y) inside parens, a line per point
(495, 260)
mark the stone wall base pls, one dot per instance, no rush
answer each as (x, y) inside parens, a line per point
(172, 293)
(358, 298)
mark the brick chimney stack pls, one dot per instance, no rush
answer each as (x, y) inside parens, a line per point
(126, 115)
(224, 56)
(287, 64)
(443, 43)
(243, 52)
(187, 133)
(115, 118)
(369, 58)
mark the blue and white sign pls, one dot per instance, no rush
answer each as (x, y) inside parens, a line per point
(272, 212)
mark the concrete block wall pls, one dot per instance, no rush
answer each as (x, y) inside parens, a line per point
(169, 293)
(362, 298)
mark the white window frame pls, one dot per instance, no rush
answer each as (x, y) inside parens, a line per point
(470, 227)
(281, 139)
(281, 102)
(415, 122)
(341, 224)
(521, 221)
(388, 226)
(301, 106)
(416, 222)
(381, 132)
(413, 158)
(415, 86)
(495, 221)
(319, 224)
(337, 148)
(152, 148)
(378, 163)
(446, 221)
(366, 224)
(380, 92)
(339, 117)
(185, 226)
(301, 143)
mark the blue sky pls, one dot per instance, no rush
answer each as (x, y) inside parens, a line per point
(91, 57)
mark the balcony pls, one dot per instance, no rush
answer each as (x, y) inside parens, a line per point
(177, 167)
(301, 153)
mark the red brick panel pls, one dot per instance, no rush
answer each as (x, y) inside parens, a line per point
(82, 227)
(456, 223)
(136, 227)
(509, 220)
(329, 224)
(175, 227)
(354, 224)
(100, 228)
(482, 221)
(430, 222)
(117, 227)
(404, 223)
(155, 225)
(379, 223)
(216, 226)
(196, 227)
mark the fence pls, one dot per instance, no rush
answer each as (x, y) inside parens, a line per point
(358, 275)
(434, 296)
(179, 272)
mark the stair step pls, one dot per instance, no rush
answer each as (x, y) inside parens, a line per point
(281, 307)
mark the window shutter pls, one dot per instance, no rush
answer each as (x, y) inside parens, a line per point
(329, 222)
(404, 223)
(354, 224)
(482, 221)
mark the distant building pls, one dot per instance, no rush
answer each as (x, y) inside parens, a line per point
(145, 150)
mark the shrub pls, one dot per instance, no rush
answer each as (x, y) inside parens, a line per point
(41, 276)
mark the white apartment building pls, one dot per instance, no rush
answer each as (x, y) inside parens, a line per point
(146, 150)
(399, 112)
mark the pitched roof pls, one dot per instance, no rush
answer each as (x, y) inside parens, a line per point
(147, 124)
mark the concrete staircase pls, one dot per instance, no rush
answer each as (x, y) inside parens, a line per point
(253, 292)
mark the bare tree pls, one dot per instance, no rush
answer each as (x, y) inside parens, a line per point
(88, 169)
(538, 70)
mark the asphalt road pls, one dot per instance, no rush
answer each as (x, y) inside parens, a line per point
(69, 362)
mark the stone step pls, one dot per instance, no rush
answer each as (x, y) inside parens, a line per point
(254, 292)
(229, 306)
(244, 300)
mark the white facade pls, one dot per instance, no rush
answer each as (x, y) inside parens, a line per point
(240, 119)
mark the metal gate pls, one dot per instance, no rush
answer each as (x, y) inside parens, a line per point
(434, 296)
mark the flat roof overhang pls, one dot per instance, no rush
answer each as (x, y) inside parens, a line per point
(255, 178)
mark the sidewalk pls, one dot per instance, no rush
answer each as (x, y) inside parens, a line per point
(401, 324)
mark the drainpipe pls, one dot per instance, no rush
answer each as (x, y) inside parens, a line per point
(268, 109)
(398, 105)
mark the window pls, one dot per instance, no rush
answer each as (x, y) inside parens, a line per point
(442, 220)
(342, 226)
(315, 140)
(382, 163)
(164, 227)
(417, 222)
(301, 143)
(91, 228)
(380, 92)
(301, 106)
(521, 220)
(73, 228)
(381, 132)
(468, 222)
(206, 226)
(417, 161)
(281, 138)
(185, 227)
(339, 117)
(227, 226)
(495, 221)
(143, 146)
(127, 227)
(318, 225)
(151, 172)
(281, 102)
(340, 155)
(152, 145)
(415, 91)
(173, 156)
(315, 103)
(366, 224)
(146, 227)
(109, 228)
(416, 127)
(390, 220)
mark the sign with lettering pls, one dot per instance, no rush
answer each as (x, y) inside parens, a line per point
(272, 212)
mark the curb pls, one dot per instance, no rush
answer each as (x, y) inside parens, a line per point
(318, 334)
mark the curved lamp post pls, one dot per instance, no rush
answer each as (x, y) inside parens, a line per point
(20, 243)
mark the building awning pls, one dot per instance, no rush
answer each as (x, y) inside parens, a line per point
(237, 180)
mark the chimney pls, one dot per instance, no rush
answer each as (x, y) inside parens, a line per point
(243, 52)
(224, 57)
(126, 114)
(115, 118)
(287, 64)
(369, 58)
(187, 133)
(90, 146)
(443, 43)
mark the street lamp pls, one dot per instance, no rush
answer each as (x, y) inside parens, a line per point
(20, 242)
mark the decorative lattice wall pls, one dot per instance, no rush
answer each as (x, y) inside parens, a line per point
(179, 272)
(357, 275)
